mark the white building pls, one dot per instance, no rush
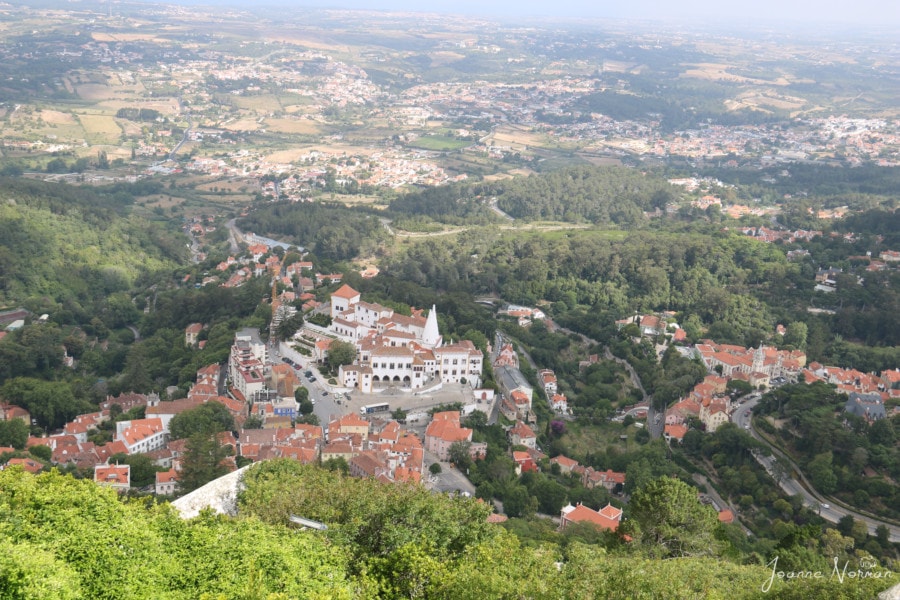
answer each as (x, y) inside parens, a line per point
(398, 350)
(246, 364)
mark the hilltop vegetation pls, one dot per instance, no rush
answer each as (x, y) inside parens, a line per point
(76, 244)
(332, 232)
(72, 539)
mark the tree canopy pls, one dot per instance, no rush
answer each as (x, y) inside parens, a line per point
(210, 417)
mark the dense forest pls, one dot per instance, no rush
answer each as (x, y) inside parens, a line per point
(69, 539)
(581, 194)
(331, 232)
(77, 244)
(724, 285)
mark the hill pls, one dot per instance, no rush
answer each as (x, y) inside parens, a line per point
(66, 538)
(77, 244)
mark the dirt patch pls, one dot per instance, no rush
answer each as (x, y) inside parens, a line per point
(439, 59)
(241, 125)
(515, 137)
(299, 126)
(54, 117)
(777, 423)
(95, 92)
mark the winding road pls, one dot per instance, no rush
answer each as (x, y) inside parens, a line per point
(782, 468)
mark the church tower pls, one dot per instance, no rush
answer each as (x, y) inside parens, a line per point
(759, 357)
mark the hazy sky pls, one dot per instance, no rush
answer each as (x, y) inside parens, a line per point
(788, 12)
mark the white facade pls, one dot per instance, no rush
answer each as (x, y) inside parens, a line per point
(398, 350)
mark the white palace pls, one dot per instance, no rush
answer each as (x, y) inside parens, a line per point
(397, 350)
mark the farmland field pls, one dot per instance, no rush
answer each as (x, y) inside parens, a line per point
(439, 143)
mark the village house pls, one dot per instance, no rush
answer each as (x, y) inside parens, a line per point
(524, 462)
(511, 380)
(675, 432)
(141, 435)
(611, 480)
(607, 518)
(28, 464)
(522, 435)
(547, 379)
(246, 364)
(444, 431)
(868, 406)
(191, 332)
(8, 412)
(117, 477)
(559, 403)
(566, 465)
(166, 482)
(506, 357)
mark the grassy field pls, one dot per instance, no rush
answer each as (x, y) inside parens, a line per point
(100, 129)
(581, 439)
(263, 103)
(439, 143)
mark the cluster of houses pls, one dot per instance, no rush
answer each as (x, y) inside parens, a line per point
(148, 436)
(558, 402)
(524, 315)
(653, 326)
(709, 403)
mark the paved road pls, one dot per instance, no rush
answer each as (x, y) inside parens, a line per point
(184, 137)
(325, 405)
(234, 234)
(781, 468)
(449, 479)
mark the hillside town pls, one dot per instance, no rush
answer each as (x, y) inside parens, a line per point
(406, 357)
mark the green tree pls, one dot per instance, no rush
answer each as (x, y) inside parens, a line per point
(310, 419)
(306, 407)
(666, 518)
(796, 335)
(253, 422)
(288, 327)
(459, 455)
(41, 452)
(340, 353)
(203, 460)
(301, 393)
(476, 420)
(51, 403)
(143, 469)
(211, 417)
(13, 433)
(338, 464)
(435, 468)
(821, 473)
